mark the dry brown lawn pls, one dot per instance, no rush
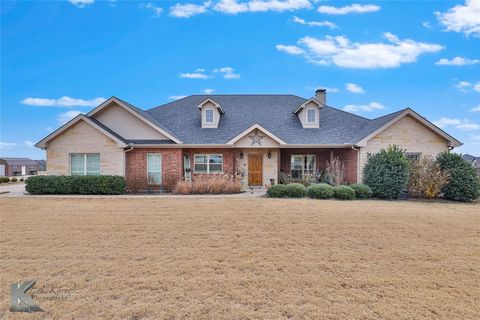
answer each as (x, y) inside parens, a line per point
(240, 258)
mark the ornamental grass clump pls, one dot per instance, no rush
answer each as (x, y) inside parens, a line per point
(215, 184)
(426, 179)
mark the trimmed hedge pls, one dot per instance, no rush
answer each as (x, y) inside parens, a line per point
(343, 193)
(13, 180)
(277, 191)
(464, 184)
(295, 190)
(386, 172)
(4, 179)
(75, 185)
(362, 191)
(320, 191)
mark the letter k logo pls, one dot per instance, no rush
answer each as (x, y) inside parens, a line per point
(19, 301)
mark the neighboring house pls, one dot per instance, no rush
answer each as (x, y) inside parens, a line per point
(17, 167)
(257, 136)
(474, 161)
(42, 165)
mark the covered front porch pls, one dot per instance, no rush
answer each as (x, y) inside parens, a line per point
(262, 167)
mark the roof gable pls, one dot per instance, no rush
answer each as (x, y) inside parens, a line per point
(140, 114)
(81, 117)
(391, 119)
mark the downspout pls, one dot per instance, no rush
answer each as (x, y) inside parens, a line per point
(358, 163)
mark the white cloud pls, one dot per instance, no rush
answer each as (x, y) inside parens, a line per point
(7, 145)
(464, 124)
(329, 24)
(293, 50)
(354, 88)
(457, 61)
(476, 87)
(29, 144)
(341, 52)
(208, 91)
(372, 106)
(64, 101)
(67, 116)
(228, 73)
(353, 8)
(176, 97)
(234, 7)
(476, 109)
(426, 24)
(49, 129)
(195, 75)
(463, 85)
(189, 9)
(462, 18)
(157, 11)
(81, 3)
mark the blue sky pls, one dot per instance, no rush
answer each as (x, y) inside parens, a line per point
(61, 58)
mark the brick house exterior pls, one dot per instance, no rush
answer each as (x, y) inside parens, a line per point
(255, 138)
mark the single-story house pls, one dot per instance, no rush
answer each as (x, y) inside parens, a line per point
(10, 167)
(256, 136)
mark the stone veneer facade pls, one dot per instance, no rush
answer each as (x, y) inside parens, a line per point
(83, 138)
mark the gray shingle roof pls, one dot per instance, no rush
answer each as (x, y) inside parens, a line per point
(19, 161)
(273, 112)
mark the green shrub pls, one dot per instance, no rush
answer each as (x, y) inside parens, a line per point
(4, 179)
(21, 179)
(277, 191)
(362, 191)
(343, 193)
(320, 191)
(13, 180)
(75, 185)
(464, 184)
(295, 190)
(386, 172)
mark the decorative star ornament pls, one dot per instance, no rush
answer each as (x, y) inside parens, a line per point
(256, 138)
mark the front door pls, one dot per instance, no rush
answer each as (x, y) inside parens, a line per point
(255, 169)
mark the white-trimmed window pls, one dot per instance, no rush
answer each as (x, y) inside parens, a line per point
(85, 164)
(302, 164)
(209, 116)
(413, 156)
(154, 168)
(208, 163)
(311, 116)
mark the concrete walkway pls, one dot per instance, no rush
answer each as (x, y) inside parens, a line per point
(14, 189)
(18, 190)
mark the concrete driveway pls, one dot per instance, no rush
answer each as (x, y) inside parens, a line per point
(14, 189)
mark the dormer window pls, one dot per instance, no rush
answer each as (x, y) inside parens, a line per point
(209, 116)
(211, 112)
(311, 116)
